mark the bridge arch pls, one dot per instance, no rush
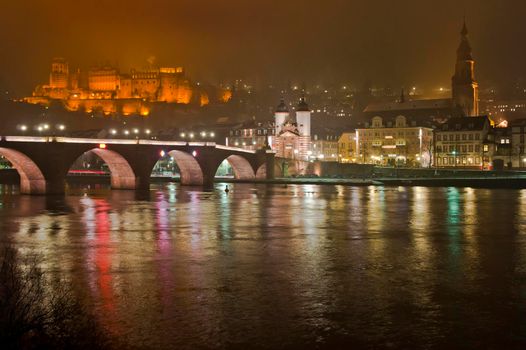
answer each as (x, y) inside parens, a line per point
(191, 172)
(32, 180)
(122, 175)
(241, 167)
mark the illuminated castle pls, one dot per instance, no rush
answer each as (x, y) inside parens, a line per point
(104, 88)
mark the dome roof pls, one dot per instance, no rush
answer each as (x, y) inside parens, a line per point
(282, 107)
(303, 106)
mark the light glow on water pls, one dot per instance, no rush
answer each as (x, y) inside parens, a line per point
(298, 264)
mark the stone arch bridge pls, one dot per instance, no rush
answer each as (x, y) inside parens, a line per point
(43, 162)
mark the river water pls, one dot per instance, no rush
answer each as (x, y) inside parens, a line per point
(274, 266)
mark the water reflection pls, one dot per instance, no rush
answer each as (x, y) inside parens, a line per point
(286, 265)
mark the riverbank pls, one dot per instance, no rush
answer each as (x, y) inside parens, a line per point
(483, 180)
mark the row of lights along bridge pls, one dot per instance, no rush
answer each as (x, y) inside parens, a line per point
(43, 129)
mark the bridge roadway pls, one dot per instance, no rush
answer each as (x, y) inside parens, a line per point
(43, 162)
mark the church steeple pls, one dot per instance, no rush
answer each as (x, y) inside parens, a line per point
(464, 49)
(464, 86)
(464, 31)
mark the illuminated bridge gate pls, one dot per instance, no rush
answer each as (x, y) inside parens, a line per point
(43, 162)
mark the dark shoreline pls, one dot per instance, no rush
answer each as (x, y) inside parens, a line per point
(10, 177)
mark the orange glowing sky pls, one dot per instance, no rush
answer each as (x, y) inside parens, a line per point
(385, 41)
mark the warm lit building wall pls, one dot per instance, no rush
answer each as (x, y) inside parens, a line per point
(292, 146)
(174, 87)
(125, 88)
(250, 143)
(347, 148)
(165, 84)
(59, 76)
(253, 138)
(105, 106)
(324, 148)
(460, 149)
(103, 79)
(74, 80)
(204, 100)
(464, 143)
(145, 84)
(226, 95)
(397, 145)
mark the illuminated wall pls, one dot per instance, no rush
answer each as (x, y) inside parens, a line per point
(101, 87)
(103, 79)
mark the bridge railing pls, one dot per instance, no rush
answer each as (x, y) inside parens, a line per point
(62, 139)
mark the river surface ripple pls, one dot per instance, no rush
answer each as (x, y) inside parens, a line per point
(275, 266)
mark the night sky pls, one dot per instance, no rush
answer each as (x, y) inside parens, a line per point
(331, 41)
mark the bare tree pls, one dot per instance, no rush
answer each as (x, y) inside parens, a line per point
(37, 312)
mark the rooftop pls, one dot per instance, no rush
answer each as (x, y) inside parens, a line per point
(465, 123)
(444, 103)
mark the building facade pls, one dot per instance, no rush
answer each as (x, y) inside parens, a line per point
(292, 134)
(252, 137)
(514, 140)
(324, 147)
(464, 143)
(395, 143)
(347, 147)
(291, 144)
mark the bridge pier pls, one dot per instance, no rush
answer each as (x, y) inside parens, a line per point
(142, 180)
(265, 163)
(56, 184)
(270, 160)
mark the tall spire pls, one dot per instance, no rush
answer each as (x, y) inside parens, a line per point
(464, 85)
(464, 31)
(464, 49)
